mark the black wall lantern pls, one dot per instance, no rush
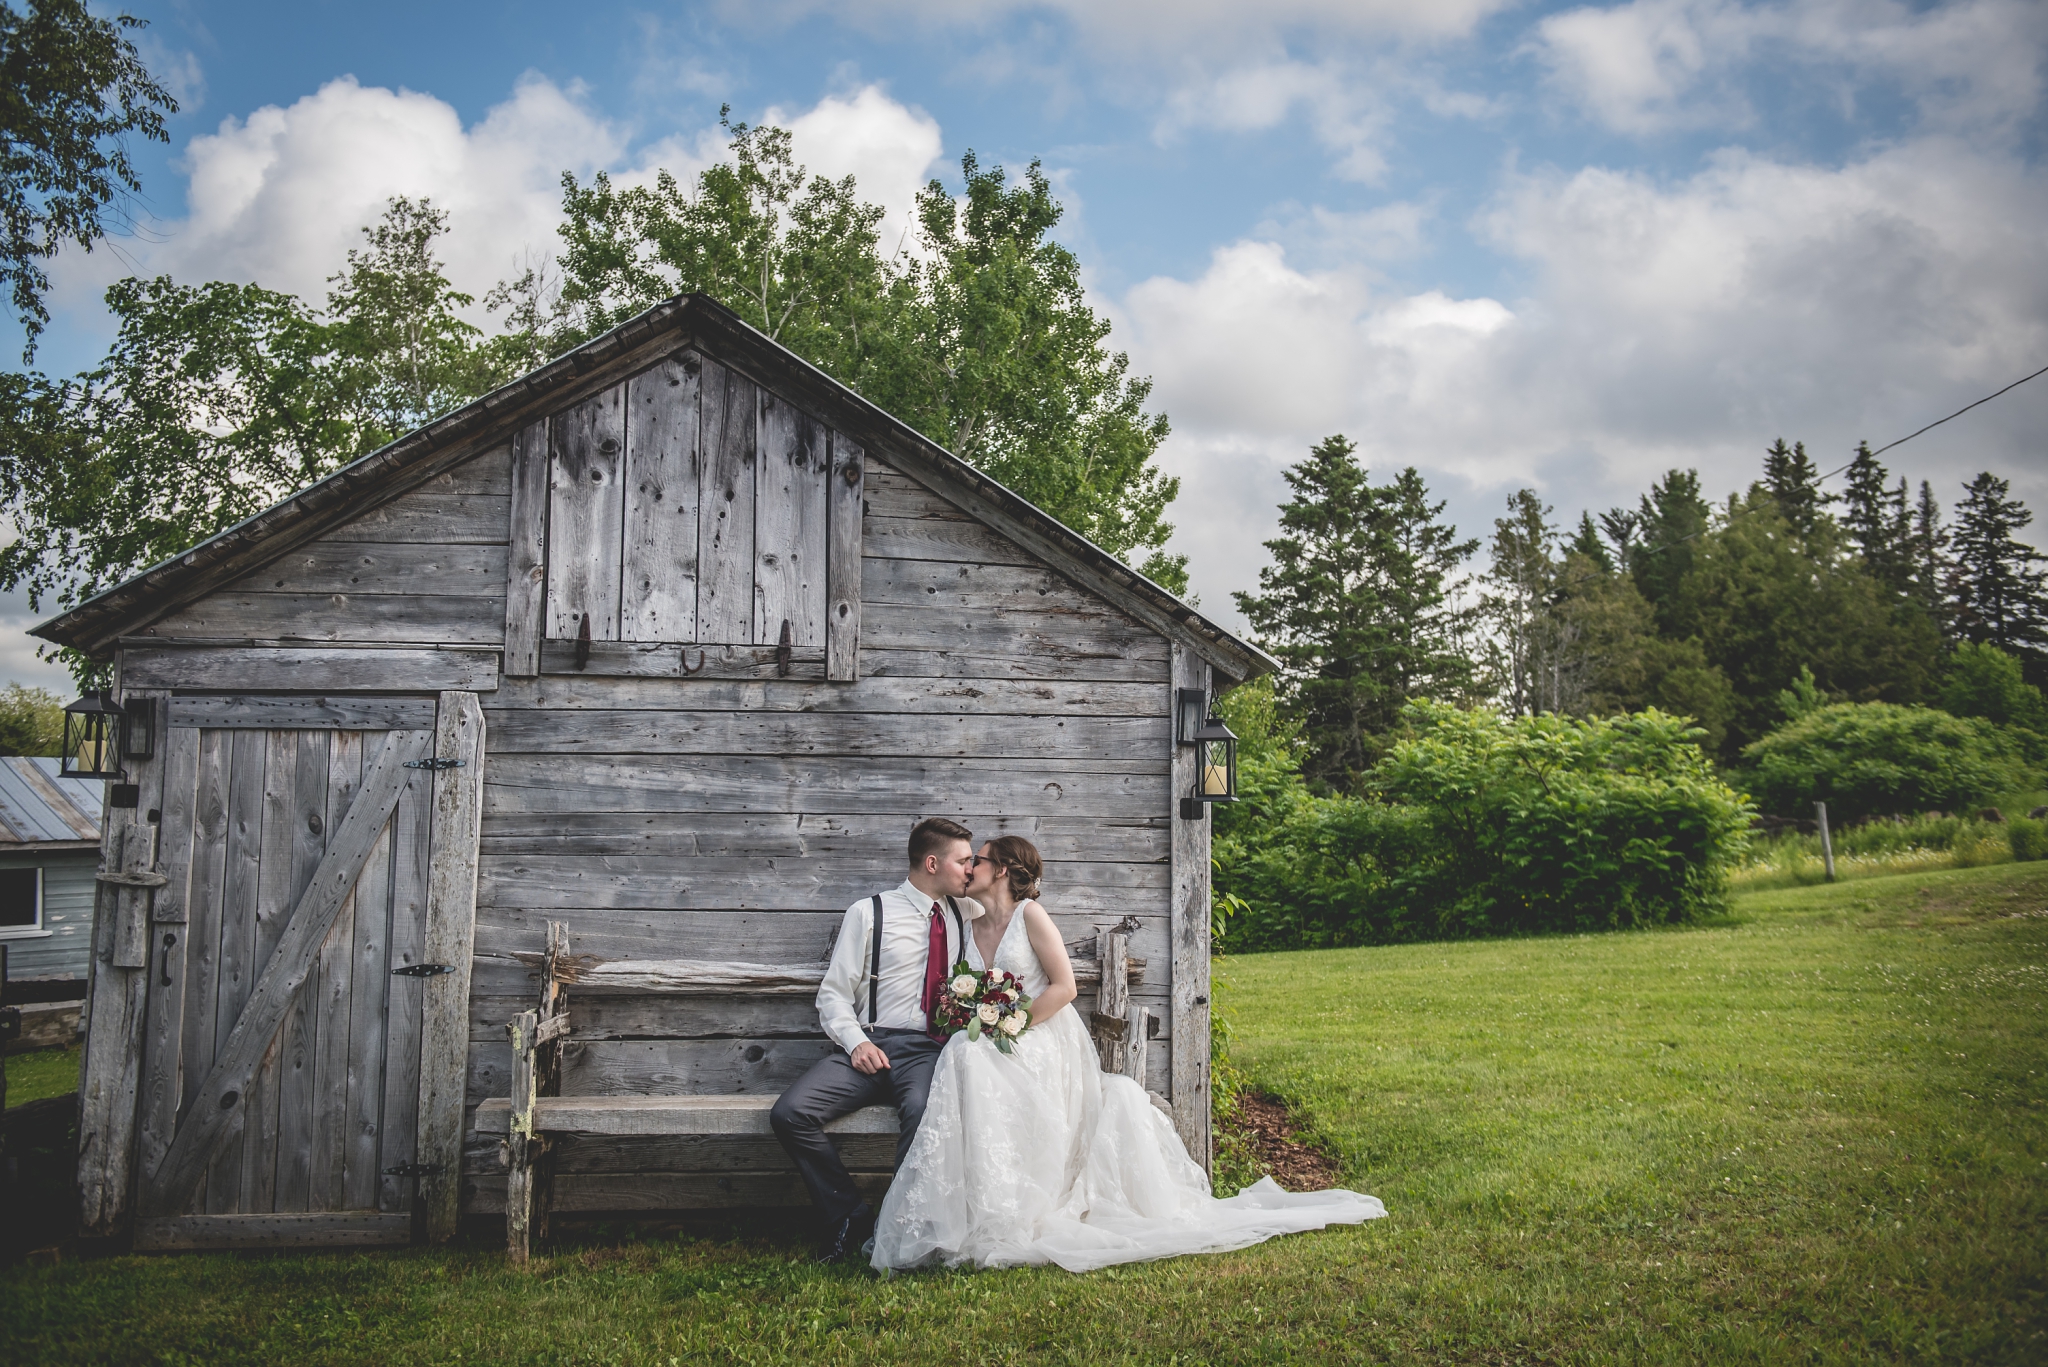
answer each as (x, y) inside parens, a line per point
(138, 729)
(93, 729)
(1215, 753)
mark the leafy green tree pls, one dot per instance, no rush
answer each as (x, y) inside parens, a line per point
(1530, 640)
(1878, 759)
(1980, 680)
(72, 86)
(1623, 665)
(1358, 607)
(983, 340)
(1765, 601)
(1997, 595)
(213, 402)
(1006, 364)
(31, 721)
(794, 254)
(401, 349)
(216, 400)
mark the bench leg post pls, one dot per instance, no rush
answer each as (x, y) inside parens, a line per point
(1113, 997)
(526, 1148)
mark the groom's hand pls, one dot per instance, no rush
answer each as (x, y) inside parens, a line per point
(869, 1059)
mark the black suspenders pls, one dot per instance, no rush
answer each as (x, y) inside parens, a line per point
(875, 948)
(874, 957)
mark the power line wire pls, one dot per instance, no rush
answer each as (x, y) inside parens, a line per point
(1819, 479)
(1957, 414)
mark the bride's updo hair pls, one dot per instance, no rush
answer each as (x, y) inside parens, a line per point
(1019, 858)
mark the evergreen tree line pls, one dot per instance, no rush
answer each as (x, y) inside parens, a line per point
(216, 399)
(1706, 610)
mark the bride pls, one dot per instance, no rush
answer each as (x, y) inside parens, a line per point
(1039, 1156)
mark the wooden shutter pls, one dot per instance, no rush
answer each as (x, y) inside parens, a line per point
(693, 524)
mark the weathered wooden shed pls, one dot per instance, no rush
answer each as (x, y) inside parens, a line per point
(670, 642)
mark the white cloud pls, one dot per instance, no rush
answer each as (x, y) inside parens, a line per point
(1343, 108)
(1651, 65)
(1683, 324)
(887, 147)
(280, 197)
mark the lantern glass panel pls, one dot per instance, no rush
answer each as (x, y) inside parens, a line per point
(92, 735)
(1218, 782)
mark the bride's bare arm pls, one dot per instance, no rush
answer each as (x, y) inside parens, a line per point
(1052, 957)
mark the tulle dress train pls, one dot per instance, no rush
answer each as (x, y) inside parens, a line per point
(1039, 1156)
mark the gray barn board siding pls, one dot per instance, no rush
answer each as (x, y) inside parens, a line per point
(440, 618)
(371, 567)
(792, 454)
(434, 519)
(586, 516)
(725, 527)
(664, 482)
(859, 835)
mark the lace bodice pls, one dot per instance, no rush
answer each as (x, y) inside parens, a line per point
(1014, 954)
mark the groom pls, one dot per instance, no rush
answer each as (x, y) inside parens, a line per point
(876, 1003)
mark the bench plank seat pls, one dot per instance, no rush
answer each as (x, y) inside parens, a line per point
(620, 1115)
(536, 1112)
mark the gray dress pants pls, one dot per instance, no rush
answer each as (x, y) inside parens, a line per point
(834, 1087)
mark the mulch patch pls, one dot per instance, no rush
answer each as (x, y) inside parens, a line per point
(1295, 1164)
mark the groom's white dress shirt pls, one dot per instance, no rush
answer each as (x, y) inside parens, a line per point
(906, 930)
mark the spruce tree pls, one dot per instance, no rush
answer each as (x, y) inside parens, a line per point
(1794, 482)
(1928, 551)
(1878, 522)
(1996, 593)
(1357, 608)
(1586, 541)
(1671, 519)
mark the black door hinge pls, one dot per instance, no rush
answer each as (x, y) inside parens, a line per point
(415, 1170)
(422, 970)
(435, 762)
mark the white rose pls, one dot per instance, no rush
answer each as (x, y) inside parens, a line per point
(963, 986)
(987, 1012)
(1013, 1024)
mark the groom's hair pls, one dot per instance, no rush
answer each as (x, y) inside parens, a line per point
(932, 835)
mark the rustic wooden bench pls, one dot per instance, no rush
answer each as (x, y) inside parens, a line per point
(536, 1111)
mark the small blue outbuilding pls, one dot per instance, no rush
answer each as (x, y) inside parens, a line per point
(49, 854)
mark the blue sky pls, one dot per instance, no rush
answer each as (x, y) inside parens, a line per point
(1508, 243)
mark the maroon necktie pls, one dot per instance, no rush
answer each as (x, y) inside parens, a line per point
(934, 965)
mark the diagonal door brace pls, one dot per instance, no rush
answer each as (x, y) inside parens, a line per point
(216, 1113)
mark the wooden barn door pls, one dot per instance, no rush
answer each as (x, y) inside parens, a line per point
(309, 961)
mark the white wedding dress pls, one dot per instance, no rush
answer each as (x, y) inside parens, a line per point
(1039, 1156)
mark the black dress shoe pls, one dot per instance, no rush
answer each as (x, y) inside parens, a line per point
(847, 1238)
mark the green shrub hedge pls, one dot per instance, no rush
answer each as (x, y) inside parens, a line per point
(1492, 825)
(1878, 759)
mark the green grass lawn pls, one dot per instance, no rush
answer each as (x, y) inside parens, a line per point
(46, 1072)
(1813, 1133)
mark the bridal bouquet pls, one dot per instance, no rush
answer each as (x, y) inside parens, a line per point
(991, 1003)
